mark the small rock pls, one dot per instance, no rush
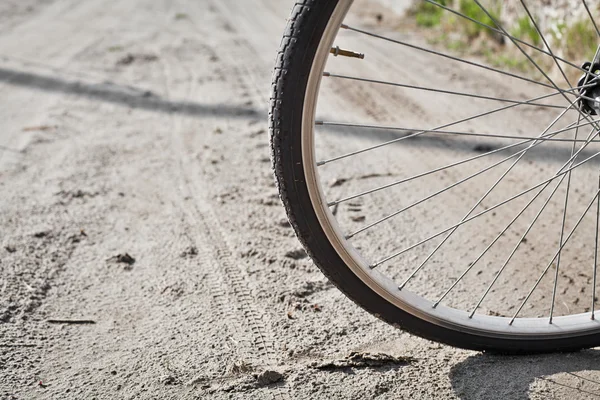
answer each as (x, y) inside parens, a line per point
(338, 182)
(123, 258)
(41, 234)
(268, 377)
(10, 249)
(250, 252)
(191, 251)
(168, 380)
(483, 148)
(296, 254)
(284, 223)
(75, 238)
(128, 59)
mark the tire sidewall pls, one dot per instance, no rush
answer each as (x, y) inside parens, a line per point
(294, 63)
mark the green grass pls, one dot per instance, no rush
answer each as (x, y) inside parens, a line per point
(507, 61)
(576, 39)
(457, 45)
(579, 41)
(525, 30)
(429, 15)
(472, 10)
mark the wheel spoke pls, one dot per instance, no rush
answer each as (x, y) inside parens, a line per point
(546, 137)
(595, 253)
(531, 60)
(484, 252)
(416, 203)
(505, 34)
(554, 258)
(522, 238)
(473, 117)
(564, 217)
(412, 131)
(474, 207)
(591, 17)
(562, 230)
(539, 31)
(444, 55)
(487, 210)
(428, 89)
(581, 114)
(588, 74)
(522, 152)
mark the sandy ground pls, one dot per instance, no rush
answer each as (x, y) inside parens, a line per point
(137, 194)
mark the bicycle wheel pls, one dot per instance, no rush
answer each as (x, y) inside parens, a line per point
(485, 241)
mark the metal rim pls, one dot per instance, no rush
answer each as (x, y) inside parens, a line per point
(483, 325)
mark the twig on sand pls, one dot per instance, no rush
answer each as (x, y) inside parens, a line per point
(71, 321)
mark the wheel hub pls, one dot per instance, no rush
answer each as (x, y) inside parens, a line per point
(592, 89)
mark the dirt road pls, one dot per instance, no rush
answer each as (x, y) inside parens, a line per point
(145, 253)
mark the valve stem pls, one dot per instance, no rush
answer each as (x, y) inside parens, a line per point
(336, 51)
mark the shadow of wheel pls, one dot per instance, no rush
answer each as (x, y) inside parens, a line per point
(562, 375)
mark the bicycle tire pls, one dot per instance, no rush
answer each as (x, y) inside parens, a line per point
(301, 39)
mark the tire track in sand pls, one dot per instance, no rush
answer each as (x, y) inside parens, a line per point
(230, 291)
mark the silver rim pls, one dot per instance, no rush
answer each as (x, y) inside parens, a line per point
(401, 297)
